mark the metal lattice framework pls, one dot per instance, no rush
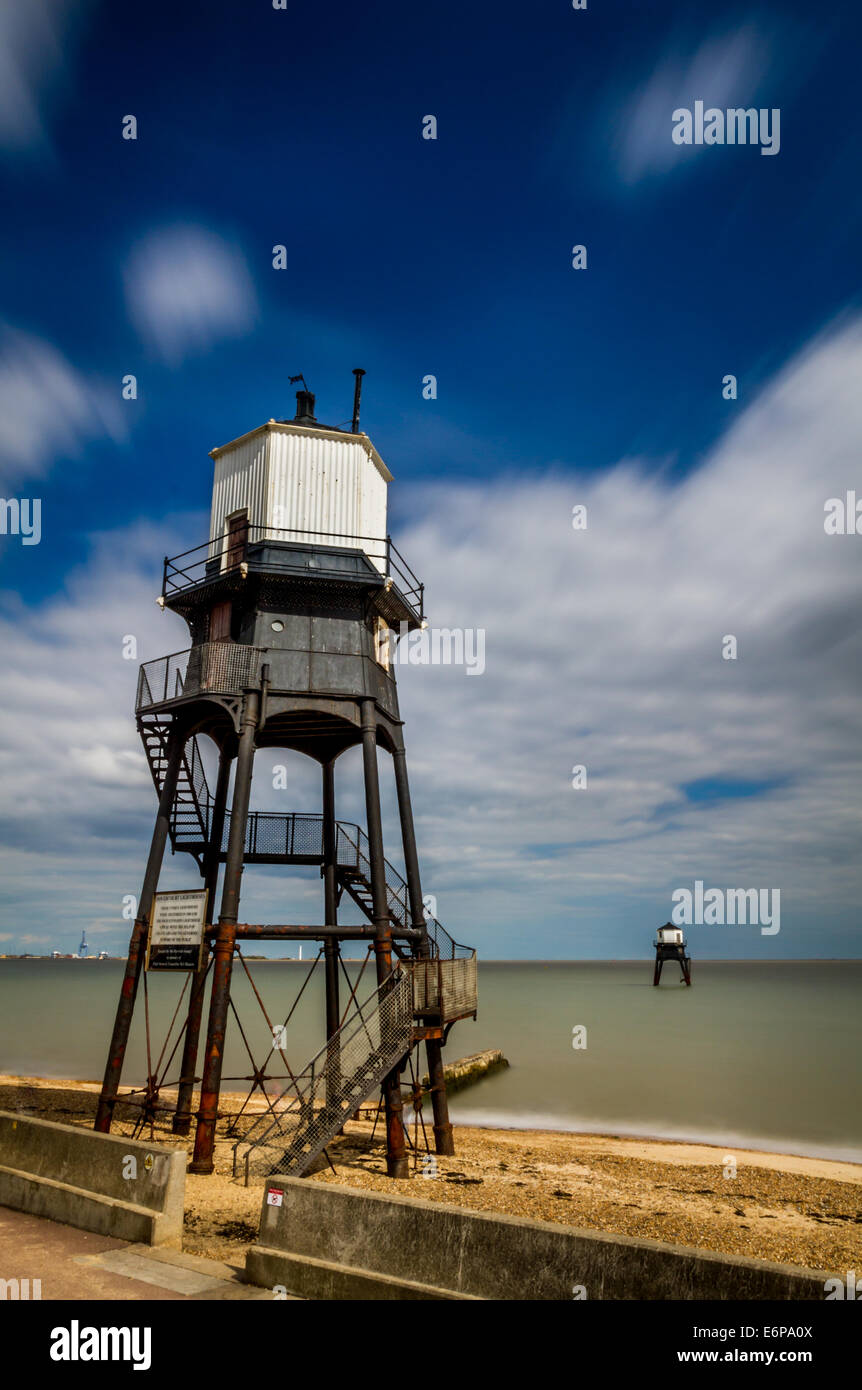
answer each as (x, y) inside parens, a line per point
(447, 989)
(294, 834)
(374, 1038)
(210, 668)
(298, 835)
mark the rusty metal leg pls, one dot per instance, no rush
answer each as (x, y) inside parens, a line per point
(183, 1116)
(202, 1160)
(396, 1145)
(330, 898)
(444, 1141)
(330, 945)
(137, 944)
(657, 972)
(444, 1138)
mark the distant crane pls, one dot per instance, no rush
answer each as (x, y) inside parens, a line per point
(83, 949)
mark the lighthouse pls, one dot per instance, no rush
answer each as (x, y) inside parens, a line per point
(670, 944)
(290, 603)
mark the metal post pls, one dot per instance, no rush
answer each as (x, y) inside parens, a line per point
(183, 1116)
(331, 946)
(444, 1141)
(408, 838)
(330, 898)
(396, 1147)
(358, 373)
(138, 941)
(202, 1160)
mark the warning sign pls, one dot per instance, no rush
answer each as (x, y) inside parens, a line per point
(176, 937)
(274, 1197)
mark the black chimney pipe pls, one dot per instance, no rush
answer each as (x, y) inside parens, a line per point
(359, 373)
(305, 408)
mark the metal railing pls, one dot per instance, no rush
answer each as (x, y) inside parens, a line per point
(374, 1037)
(352, 851)
(209, 668)
(448, 989)
(295, 833)
(278, 832)
(295, 550)
(197, 775)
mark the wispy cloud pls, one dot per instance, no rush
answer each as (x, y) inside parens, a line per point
(186, 289)
(603, 648)
(35, 41)
(723, 70)
(48, 409)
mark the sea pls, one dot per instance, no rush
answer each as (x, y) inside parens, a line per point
(755, 1054)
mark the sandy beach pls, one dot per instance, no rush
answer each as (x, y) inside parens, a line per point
(798, 1210)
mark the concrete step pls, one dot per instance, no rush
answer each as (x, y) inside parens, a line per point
(191, 1276)
(307, 1278)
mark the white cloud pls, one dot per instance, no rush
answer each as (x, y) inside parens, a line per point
(603, 648)
(109, 766)
(725, 70)
(186, 289)
(35, 39)
(76, 801)
(48, 409)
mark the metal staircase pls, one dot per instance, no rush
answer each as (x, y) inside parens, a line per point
(191, 809)
(377, 1035)
(282, 837)
(374, 1038)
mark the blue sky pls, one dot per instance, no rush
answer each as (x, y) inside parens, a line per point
(406, 256)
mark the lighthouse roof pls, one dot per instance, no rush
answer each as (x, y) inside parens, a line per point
(319, 432)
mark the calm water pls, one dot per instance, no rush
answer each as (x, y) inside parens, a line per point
(766, 1055)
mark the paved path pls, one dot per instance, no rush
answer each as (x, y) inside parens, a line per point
(80, 1266)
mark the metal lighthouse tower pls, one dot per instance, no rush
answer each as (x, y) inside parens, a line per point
(289, 604)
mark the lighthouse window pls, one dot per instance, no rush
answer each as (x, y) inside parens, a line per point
(277, 626)
(381, 642)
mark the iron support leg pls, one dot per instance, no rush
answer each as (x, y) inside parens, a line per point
(138, 942)
(202, 1161)
(330, 899)
(444, 1141)
(330, 945)
(183, 1117)
(396, 1146)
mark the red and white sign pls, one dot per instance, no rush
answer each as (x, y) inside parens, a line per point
(274, 1197)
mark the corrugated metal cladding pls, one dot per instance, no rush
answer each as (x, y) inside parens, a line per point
(303, 483)
(239, 483)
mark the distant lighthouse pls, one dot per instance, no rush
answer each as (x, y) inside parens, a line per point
(671, 945)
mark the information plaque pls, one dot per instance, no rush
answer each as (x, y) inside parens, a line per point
(176, 937)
